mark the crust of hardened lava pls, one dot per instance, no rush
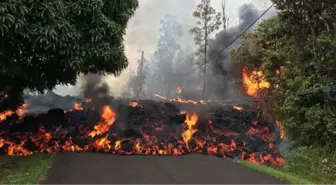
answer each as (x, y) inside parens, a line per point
(95, 168)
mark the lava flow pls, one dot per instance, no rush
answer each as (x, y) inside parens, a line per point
(144, 128)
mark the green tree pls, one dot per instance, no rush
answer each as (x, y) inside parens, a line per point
(298, 55)
(45, 43)
(208, 21)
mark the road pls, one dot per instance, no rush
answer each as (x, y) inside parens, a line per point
(94, 168)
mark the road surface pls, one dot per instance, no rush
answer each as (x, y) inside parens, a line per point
(94, 168)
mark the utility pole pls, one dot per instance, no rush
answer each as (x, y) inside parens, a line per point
(140, 81)
(225, 17)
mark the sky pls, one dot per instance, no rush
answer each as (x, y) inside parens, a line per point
(142, 33)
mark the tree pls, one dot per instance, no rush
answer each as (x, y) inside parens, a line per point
(296, 50)
(45, 43)
(167, 47)
(208, 21)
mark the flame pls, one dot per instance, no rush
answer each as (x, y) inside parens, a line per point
(282, 130)
(5, 114)
(78, 106)
(108, 118)
(180, 100)
(238, 108)
(179, 89)
(133, 104)
(254, 82)
(188, 139)
(190, 122)
(19, 112)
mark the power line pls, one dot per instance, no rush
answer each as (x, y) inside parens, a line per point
(233, 41)
(192, 54)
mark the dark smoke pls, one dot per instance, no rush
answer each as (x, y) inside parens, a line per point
(96, 89)
(220, 63)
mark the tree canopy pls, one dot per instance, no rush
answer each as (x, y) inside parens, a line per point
(48, 43)
(45, 43)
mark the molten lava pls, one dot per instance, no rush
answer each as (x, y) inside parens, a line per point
(19, 112)
(162, 130)
(180, 100)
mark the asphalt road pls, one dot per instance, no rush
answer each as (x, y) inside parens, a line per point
(94, 168)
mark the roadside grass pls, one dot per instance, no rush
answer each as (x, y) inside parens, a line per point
(306, 165)
(25, 170)
(277, 173)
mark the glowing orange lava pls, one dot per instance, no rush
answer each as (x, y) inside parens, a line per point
(238, 108)
(19, 112)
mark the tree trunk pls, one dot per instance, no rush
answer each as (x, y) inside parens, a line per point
(205, 52)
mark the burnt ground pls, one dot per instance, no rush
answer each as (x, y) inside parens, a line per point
(95, 168)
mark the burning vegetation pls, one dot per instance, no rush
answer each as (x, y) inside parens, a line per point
(254, 82)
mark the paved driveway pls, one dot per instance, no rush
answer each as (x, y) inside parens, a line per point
(95, 168)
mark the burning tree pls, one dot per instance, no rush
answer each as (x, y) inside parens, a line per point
(43, 44)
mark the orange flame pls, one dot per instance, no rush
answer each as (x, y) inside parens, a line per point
(238, 108)
(190, 123)
(254, 82)
(148, 144)
(108, 118)
(78, 106)
(179, 89)
(19, 112)
(133, 104)
(282, 130)
(180, 100)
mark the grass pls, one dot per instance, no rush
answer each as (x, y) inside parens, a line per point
(25, 170)
(306, 165)
(281, 175)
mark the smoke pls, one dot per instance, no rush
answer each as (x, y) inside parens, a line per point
(223, 80)
(143, 33)
(96, 89)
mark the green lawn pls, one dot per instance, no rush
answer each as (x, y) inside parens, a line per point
(307, 165)
(25, 170)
